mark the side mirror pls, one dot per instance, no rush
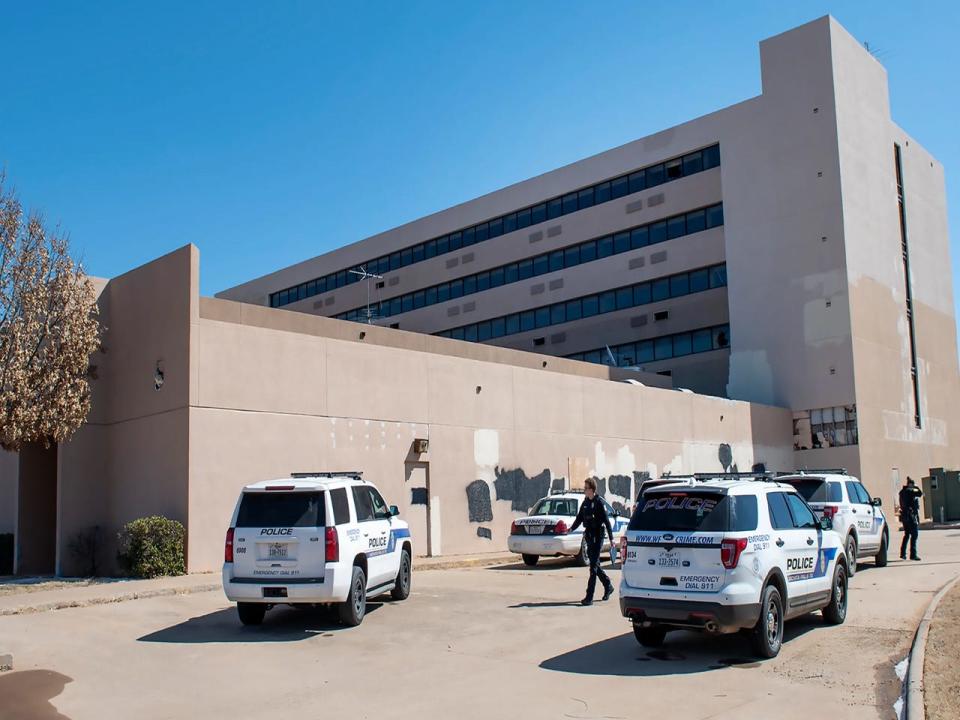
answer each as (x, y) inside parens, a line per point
(876, 502)
(826, 523)
(394, 511)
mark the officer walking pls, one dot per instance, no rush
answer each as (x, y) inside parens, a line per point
(910, 496)
(593, 517)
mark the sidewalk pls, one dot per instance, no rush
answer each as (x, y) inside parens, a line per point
(81, 593)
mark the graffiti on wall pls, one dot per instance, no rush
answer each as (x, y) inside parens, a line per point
(478, 502)
(522, 491)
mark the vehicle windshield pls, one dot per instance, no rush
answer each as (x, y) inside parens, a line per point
(686, 511)
(281, 509)
(555, 506)
(815, 490)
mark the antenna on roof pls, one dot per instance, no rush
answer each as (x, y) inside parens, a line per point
(362, 272)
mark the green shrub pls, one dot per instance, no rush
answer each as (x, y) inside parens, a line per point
(151, 547)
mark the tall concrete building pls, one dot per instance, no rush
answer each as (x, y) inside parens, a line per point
(791, 250)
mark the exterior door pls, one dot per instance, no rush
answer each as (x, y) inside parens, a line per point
(417, 510)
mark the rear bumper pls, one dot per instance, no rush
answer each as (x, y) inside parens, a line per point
(690, 613)
(332, 587)
(545, 544)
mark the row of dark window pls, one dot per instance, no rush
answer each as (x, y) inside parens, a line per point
(648, 177)
(596, 249)
(629, 296)
(660, 348)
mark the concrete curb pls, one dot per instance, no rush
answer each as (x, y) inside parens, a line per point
(455, 563)
(107, 599)
(914, 708)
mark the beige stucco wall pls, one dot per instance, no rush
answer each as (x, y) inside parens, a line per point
(891, 446)
(131, 458)
(272, 401)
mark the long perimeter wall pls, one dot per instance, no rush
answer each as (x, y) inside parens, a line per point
(252, 393)
(276, 393)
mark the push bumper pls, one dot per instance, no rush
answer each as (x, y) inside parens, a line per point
(689, 613)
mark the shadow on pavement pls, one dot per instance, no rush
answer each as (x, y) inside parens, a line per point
(682, 653)
(282, 624)
(547, 604)
(545, 564)
(27, 694)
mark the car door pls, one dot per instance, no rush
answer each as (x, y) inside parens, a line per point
(862, 512)
(815, 560)
(874, 514)
(797, 546)
(373, 521)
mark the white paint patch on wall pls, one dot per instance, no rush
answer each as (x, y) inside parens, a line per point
(436, 548)
(623, 462)
(486, 447)
(899, 427)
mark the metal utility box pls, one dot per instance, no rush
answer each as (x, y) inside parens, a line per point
(941, 495)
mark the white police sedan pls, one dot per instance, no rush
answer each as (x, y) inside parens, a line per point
(546, 530)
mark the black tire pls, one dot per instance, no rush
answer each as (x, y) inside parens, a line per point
(583, 557)
(851, 550)
(530, 560)
(880, 559)
(767, 635)
(352, 611)
(401, 590)
(251, 613)
(836, 612)
(651, 637)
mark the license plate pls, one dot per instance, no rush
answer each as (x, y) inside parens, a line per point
(278, 551)
(668, 562)
(534, 529)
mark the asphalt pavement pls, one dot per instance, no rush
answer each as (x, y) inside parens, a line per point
(469, 643)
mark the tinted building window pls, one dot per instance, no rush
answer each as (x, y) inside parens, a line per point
(605, 191)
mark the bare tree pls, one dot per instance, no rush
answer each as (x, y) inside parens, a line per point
(48, 330)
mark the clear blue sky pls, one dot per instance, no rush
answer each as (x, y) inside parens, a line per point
(267, 133)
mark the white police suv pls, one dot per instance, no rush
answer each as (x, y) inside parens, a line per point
(546, 530)
(727, 553)
(855, 515)
(315, 538)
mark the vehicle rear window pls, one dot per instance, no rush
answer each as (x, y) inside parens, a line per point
(341, 508)
(695, 512)
(555, 506)
(815, 490)
(281, 509)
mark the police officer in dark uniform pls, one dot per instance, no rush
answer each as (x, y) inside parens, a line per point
(909, 498)
(593, 517)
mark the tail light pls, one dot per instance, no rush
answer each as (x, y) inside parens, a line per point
(513, 528)
(560, 528)
(830, 511)
(730, 551)
(332, 545)
(623, 548)
(228, 547)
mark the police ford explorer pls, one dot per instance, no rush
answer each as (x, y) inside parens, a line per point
(546, 530)
(855, 515)
(326, 538)
(728, 554)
